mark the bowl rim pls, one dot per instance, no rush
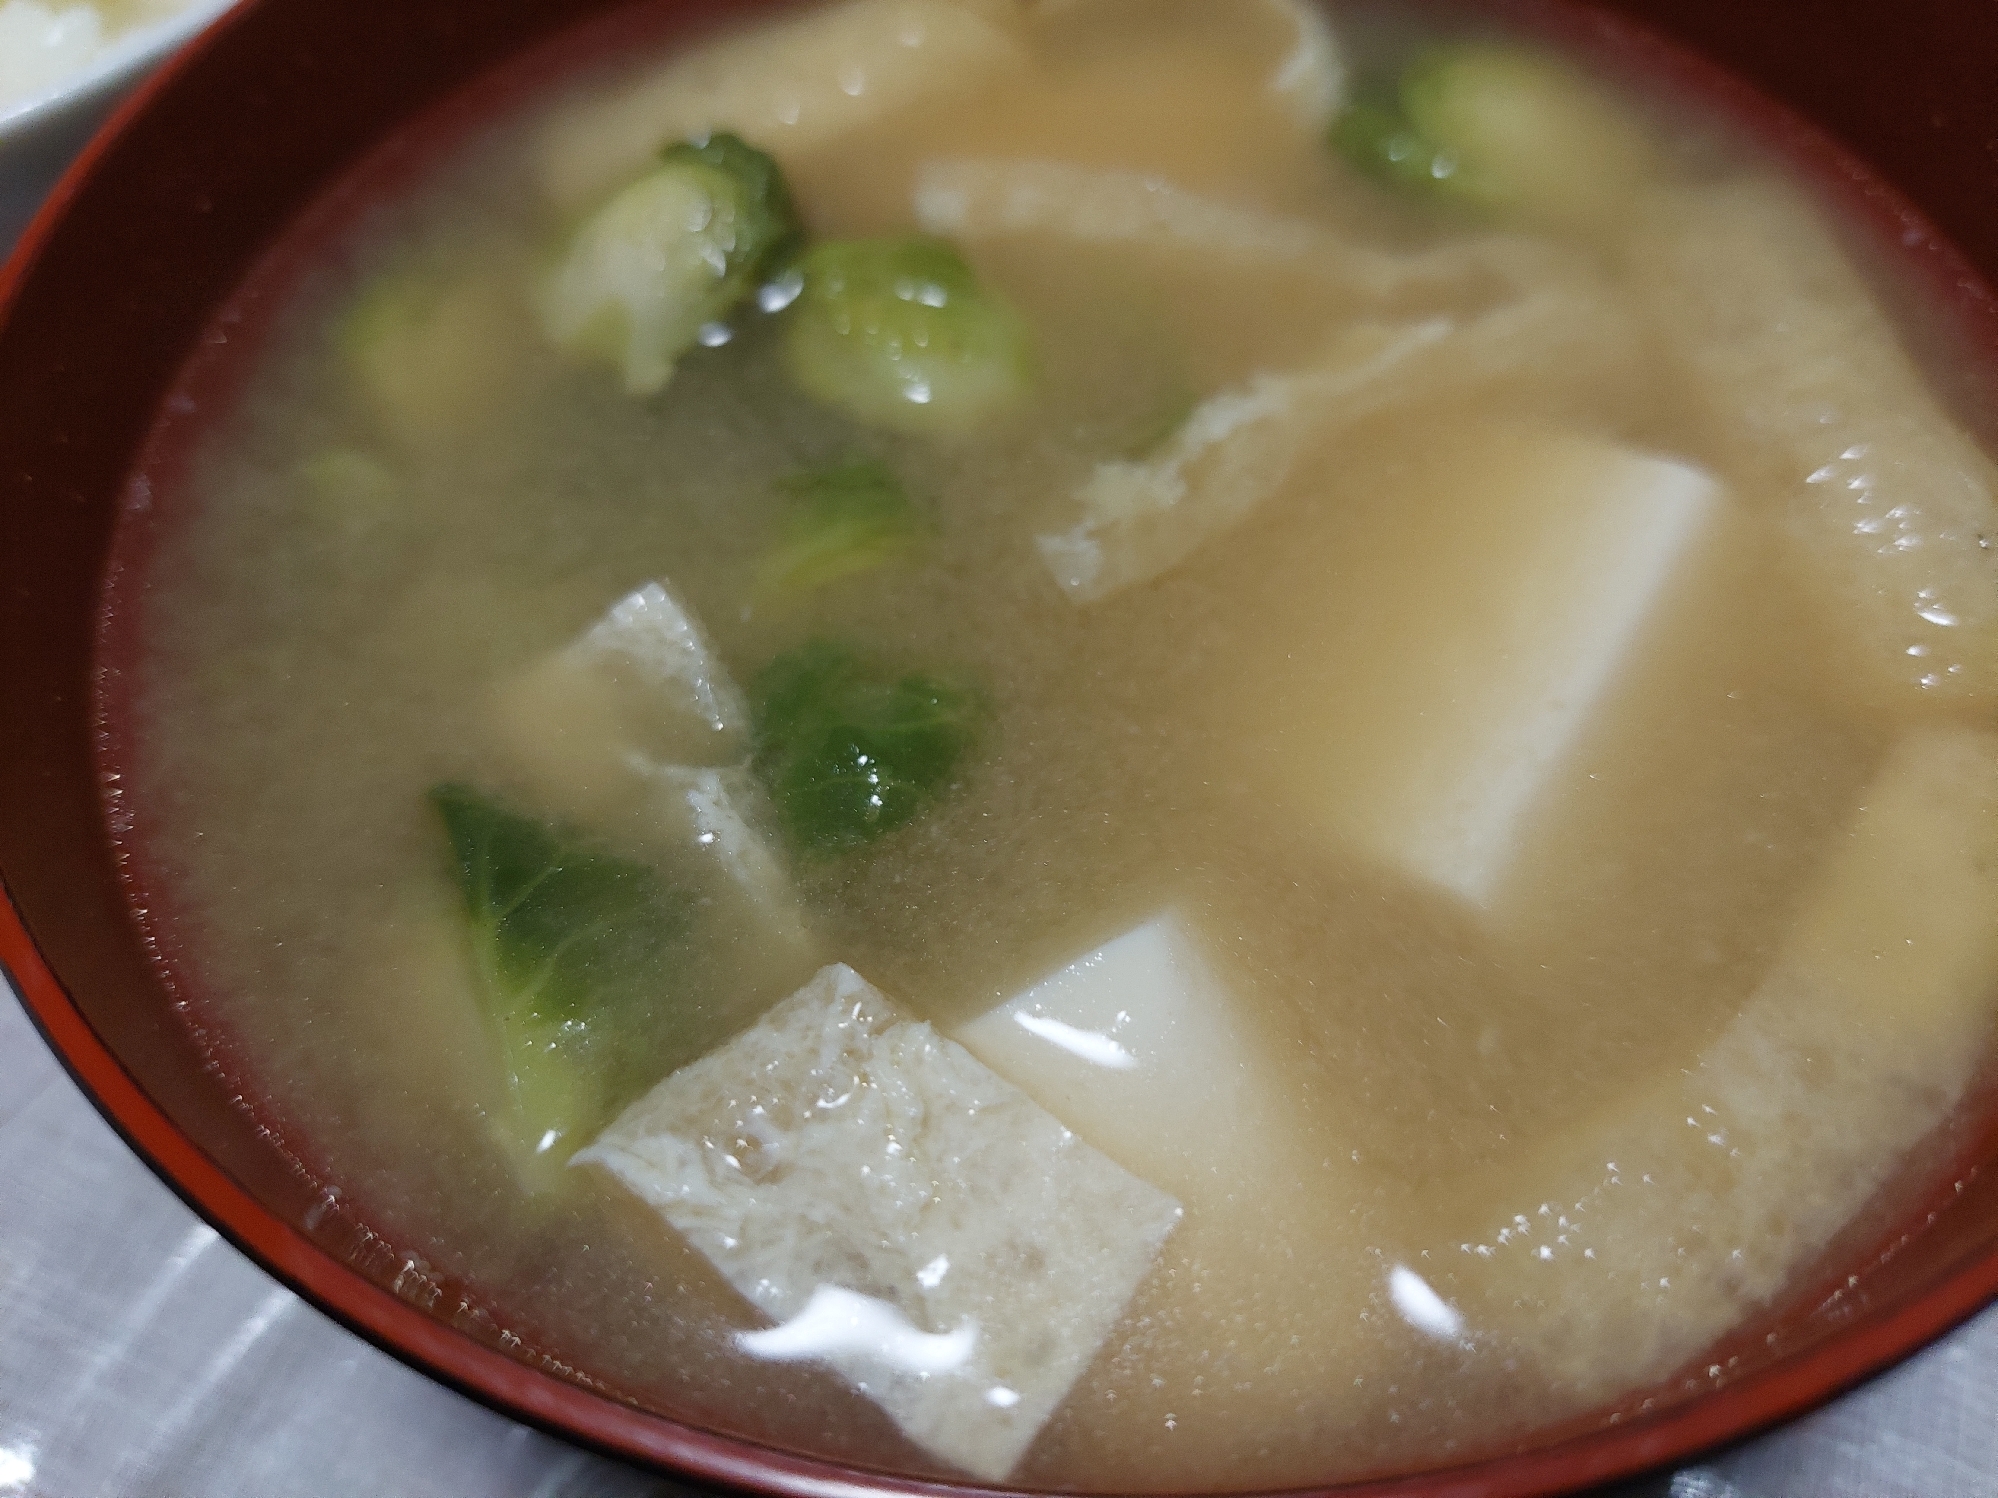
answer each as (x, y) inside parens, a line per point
(1865, 1346)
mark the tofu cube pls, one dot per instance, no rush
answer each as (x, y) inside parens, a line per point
(709, 814)
(1267, 1299)
(641, 683)
(1142, 1050)
(907, 1218)
(637, 731)
(1469, 635)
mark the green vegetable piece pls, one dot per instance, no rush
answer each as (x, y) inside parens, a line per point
(898, 334)
(430, 352)
(845, 519)
(669, 255)
(1378, 139)
(1501, 129)
(350, 492)
(1528, 133)
(850, 752)
(572, 948)
(761, 182)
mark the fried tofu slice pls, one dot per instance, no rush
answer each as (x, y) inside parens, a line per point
(1616, 1252)
(905, 1216)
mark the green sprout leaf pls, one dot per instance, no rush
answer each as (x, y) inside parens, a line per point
(843, 519)
(573, 950)
(850, 752)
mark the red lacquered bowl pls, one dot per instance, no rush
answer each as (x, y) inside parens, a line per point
(155, 227)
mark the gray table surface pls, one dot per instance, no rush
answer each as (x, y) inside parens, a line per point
(141, 1356)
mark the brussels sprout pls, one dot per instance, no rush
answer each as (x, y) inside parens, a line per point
(850, 752)
(899, 334)
(1502, 129)
(1526, 131)
(431, 349)
(668, 256)
(1378, 139)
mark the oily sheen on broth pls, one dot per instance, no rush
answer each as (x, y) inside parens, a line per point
(1106, 744)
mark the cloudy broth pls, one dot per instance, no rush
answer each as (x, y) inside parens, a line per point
(1592, 926)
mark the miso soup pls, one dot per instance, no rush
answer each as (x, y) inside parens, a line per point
(1100, 744)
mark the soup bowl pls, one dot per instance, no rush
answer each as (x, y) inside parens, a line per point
(157, 224)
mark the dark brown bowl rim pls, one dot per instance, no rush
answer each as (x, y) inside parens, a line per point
(1869, 1343)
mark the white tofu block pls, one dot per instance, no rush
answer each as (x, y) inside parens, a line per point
(713, 814)
(906, 1217)
(1421, 708)
(1612, 1254)
(637, 731)
(649, 633)
(1142, 1050)
(1243, 447)
(643, 684)
(789, 86)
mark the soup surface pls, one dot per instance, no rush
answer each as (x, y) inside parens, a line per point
(1107, 744)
